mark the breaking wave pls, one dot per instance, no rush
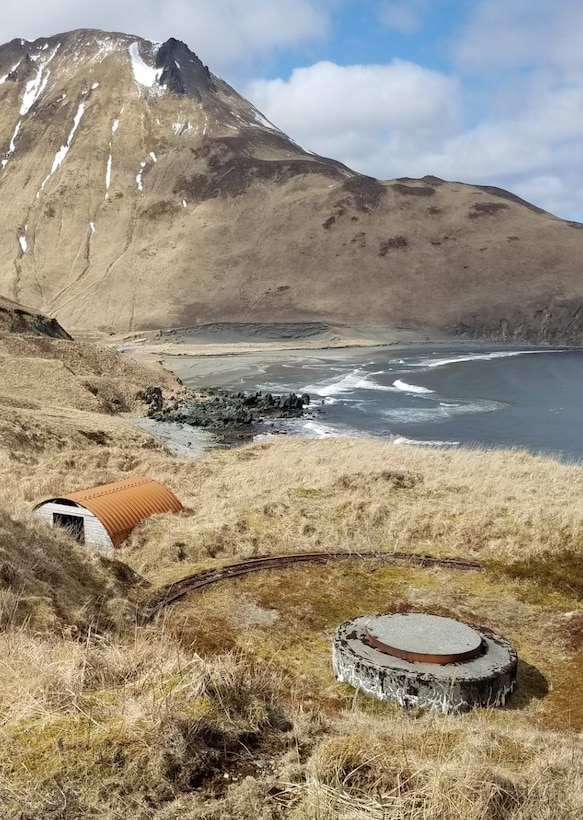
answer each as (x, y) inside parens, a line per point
(440, 412)
(479, 357)
(420, 443)
(411, 388)
(355, 380)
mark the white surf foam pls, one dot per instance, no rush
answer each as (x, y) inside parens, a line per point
(307, 428)
(316, 430)
(421, 443)
(441, 412)
(296, 427)
(356, 380)
(477, 357)
(411, 388)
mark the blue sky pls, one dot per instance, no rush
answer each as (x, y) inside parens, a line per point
(375, 32)
(484, 91)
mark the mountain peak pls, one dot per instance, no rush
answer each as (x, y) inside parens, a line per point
(161, 66)
(182, 71)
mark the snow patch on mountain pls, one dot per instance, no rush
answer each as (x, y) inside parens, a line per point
(36, 86)
(12, 146)
(139, 182)
(115, 123)
(106, 47)
(108, 172)
(263, 120)
(144, 74)
(179, 128)
(5, 77)
(63, 150)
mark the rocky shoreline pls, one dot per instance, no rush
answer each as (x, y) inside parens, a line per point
(221, 411)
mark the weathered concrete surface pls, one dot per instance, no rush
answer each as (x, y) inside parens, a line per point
(486, 680)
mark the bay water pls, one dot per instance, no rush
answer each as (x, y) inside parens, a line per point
(439, 395)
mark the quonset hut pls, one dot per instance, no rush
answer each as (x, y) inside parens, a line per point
(102, 517)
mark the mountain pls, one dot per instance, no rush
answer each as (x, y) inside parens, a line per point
(138, 190)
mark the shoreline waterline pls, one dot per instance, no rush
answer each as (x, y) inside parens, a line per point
(433, 392)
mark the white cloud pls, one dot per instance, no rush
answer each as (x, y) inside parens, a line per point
(223, 33)
(403, 120)
(529, 138)
(503, 34)
(357, 112)
(524, 115)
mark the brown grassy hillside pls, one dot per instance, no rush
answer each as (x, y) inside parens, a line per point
(225, 706)
(15, 318)
(56, 394)
(178, 204)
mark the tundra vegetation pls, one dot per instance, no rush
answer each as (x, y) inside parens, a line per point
(225, 706)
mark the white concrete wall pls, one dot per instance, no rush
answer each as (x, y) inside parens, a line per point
(95, 533)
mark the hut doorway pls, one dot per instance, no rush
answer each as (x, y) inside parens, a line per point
(74, 523)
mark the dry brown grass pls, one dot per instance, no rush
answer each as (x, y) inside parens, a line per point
(39, 371)
(347, 493)
(517, 514)
(100, 728)
(441, 771)
(227, 706)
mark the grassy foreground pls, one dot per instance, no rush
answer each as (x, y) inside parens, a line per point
(226, 707)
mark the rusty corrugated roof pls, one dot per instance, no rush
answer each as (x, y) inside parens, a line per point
(123, 504)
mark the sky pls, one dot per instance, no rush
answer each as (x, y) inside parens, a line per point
(480, 91)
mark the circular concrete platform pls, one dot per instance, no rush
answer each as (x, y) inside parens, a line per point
(427, 638)
(423, 660)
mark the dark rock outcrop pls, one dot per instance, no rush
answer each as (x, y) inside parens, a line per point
(222, 409)
(182, 71)
(550, 325)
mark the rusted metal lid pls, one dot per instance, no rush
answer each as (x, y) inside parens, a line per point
(415, 636)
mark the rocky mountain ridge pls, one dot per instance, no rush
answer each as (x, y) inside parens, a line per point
(141, 191)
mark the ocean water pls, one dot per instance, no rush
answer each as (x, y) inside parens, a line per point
(492, 396)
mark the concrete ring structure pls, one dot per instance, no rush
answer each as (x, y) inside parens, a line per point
(421, 660)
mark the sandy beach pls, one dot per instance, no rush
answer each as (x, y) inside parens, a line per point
(214, 354)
